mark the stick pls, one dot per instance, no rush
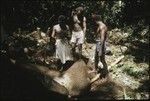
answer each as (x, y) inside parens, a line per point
(117, 61)
(95, 78)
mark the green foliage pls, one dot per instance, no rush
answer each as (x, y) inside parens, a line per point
(117, 36)
(45, 13)
(132, 16)
(134, 70)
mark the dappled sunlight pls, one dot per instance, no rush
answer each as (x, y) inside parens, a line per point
(31, 69)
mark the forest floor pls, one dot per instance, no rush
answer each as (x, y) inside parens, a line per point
(128, 69)
(133, 77)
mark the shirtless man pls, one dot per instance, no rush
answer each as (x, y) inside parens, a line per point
(101, 35)
(78, 29)
(59, 32)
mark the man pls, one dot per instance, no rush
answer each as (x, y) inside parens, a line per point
(60, 32)
(101, 35)
(78, 29)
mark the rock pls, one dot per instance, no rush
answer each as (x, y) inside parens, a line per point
(117, 36)
(123, 49)
(26, 50)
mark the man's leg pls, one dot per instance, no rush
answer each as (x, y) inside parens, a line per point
(96, 60)
(97, 55)
(104, 71)
(80, 41)
(73, 42)
(73, 48)
(80, 50)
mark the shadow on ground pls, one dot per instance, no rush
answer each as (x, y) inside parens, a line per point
(20, 84)
(140, 51)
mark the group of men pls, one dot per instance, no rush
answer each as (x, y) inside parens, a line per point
(78, 30)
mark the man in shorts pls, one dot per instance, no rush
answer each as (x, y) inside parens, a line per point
(78, 29)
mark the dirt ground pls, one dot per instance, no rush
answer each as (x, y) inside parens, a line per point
(128, 79)
(121, 84)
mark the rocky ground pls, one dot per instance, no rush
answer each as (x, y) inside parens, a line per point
(128, 79)
(131, 78)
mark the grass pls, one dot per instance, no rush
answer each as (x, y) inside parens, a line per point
(133, 69)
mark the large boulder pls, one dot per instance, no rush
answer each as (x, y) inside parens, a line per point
(71, 82)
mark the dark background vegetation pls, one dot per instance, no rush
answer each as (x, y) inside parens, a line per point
(28, 14)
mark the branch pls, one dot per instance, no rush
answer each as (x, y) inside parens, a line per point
(117, 61)
(95, 78)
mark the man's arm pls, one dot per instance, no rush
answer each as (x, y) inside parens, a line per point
(75, 19)
(68, 31)
(84, 25)
(53, 33)
(103, 39)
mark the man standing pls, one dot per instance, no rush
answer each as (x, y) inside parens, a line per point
(60, 32)
(101, 35)
(78, 29)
